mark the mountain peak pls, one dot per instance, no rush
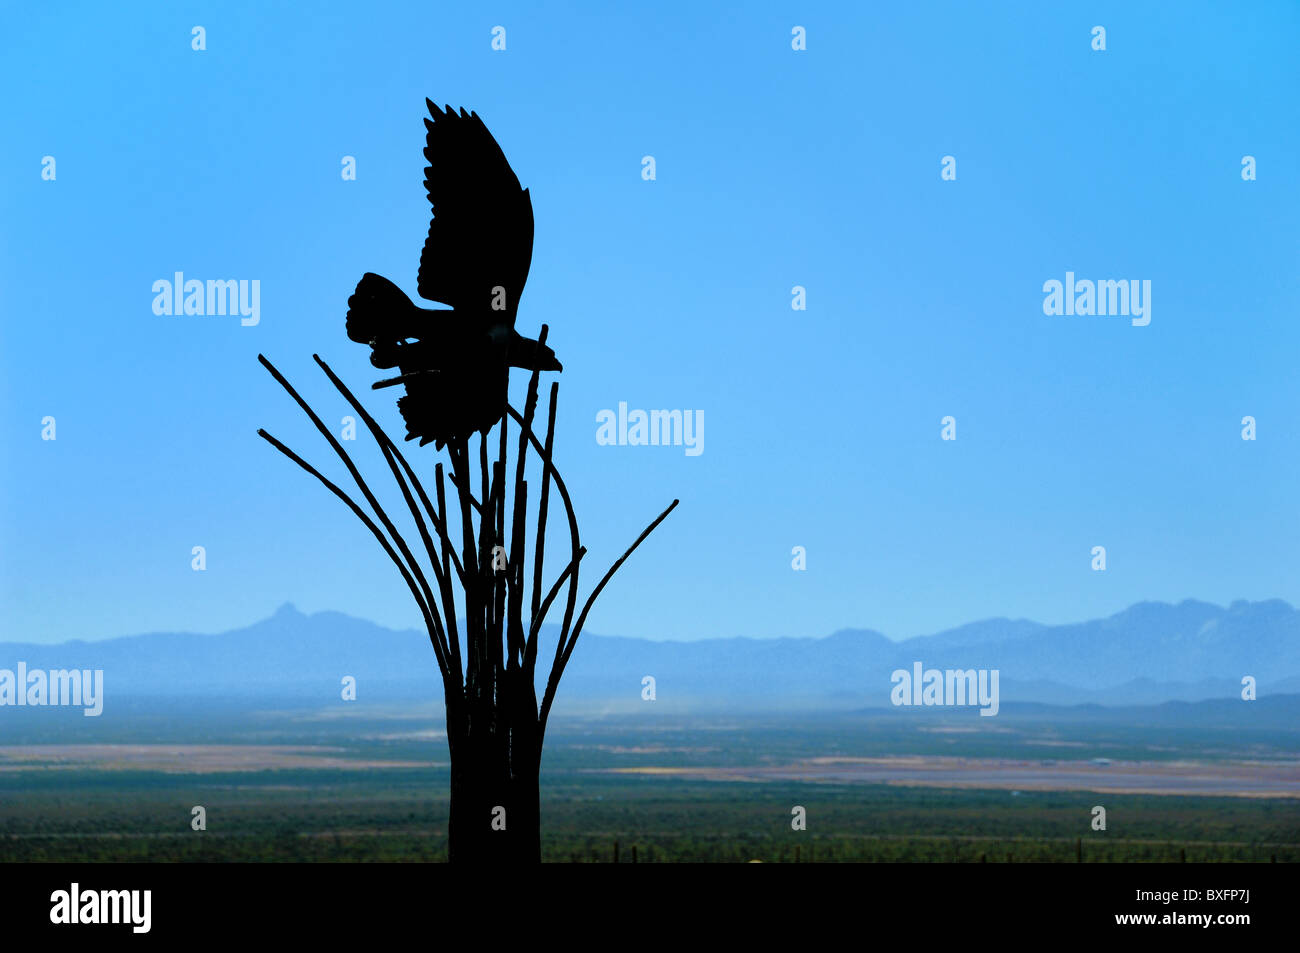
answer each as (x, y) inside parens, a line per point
(1265, 607)
(1183, 651)
(851, 635)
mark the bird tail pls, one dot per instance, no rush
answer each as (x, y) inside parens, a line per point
(378, 311)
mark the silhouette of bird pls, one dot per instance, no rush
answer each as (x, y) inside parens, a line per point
(455, 364)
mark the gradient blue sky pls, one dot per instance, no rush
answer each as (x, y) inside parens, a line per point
(775, 168)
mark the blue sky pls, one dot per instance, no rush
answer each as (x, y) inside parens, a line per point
(775, 168)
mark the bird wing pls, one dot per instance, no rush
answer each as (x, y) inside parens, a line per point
(481, 236)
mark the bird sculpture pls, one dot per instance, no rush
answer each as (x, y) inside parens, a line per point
(455, 364)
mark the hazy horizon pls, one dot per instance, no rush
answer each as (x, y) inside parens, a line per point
(416, 624)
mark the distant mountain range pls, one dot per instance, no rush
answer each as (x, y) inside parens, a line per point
(1148, 654)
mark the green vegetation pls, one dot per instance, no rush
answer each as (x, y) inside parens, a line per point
(79, 812)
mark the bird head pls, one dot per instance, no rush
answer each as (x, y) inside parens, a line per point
(546, 360)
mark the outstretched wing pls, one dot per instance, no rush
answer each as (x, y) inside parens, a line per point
(481, 236)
